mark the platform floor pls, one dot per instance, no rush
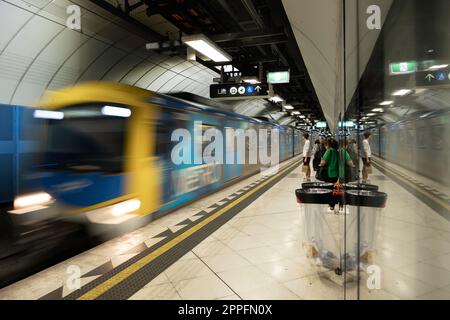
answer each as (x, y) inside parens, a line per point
(258, 254)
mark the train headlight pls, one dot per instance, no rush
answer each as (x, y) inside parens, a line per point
(31, 202)
(125, 207)
(116, 213)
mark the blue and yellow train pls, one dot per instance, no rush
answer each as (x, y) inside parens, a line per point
(108, 148)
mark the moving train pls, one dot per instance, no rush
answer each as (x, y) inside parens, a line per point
(418, 143)
(109, 149)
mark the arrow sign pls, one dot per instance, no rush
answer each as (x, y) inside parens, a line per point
(429, 77)
(238, 91)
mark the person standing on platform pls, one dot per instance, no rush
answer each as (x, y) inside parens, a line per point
(330, 163)
(317, 155)
(307, 154)
(367, 155)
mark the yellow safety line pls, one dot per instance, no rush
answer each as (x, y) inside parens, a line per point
(432, 196)
(127, 272)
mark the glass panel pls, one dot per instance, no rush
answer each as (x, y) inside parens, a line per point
(401, 109)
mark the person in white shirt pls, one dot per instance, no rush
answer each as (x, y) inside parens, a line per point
(307, 154)
(367, 154)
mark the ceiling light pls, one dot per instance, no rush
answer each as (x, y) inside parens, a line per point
(289, 107)
(251, 80)
(378, 110)
(276, 99)
(205, 46)
(302, 117)
(296, 113)
(386, 103)
(438, 67)
(371, 114)
(402, 92)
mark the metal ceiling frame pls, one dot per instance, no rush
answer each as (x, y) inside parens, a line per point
(275, 35)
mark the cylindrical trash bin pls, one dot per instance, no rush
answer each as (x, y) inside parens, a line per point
(332, 237)
(369, 205)
(321, 227)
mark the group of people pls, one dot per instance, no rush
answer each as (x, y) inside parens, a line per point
(335, 162)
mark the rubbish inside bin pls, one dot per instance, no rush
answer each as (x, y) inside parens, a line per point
(349, 261)
(329, 260)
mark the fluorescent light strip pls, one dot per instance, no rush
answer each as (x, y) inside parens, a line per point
(208, 50)
(438, 67)
(116, 112)
(386, 103)
(48, 114)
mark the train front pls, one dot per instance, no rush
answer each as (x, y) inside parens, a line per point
(84, 170)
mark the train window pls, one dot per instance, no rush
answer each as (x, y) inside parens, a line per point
(163, 142)
(86, 143)
(421, 143)
(437, 137)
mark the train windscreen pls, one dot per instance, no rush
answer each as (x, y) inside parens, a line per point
(85, 139)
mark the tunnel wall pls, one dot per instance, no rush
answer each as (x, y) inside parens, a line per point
(38, 52)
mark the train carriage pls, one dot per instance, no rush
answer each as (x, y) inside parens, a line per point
(109, 153)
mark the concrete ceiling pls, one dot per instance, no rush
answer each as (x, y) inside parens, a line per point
(319, 30)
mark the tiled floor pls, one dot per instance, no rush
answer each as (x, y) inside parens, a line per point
(258, 254)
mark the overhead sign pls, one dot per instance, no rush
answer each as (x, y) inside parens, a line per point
(398, 68)
(239, 91)
(432, 78)
(278, 77)
(321, 124)
(346, 124)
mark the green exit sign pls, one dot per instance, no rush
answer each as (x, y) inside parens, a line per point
(397, 68)
(278, 77)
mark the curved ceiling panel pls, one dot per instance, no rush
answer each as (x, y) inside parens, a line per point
(38, 52)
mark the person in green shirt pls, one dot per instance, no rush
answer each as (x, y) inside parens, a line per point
(330, 159)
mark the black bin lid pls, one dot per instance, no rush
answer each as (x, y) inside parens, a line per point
(317, 185)
(366, 198)
(360, 186)
(314, 196)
